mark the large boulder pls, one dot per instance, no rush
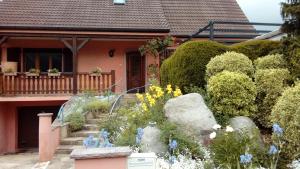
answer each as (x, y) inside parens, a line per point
(151, 141)
(191, 113)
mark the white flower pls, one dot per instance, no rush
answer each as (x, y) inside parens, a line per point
(216, 127)
(229, 129)
(212, 135)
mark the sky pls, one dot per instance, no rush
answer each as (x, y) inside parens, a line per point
(262, 10)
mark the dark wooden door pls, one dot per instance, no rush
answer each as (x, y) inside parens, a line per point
(135, 71)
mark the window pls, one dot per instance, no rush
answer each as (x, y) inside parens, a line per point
(119, 2)
(14, 55)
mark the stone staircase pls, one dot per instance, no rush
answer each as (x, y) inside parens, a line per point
(75, 139)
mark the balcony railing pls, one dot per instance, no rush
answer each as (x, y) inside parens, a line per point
(21, 84)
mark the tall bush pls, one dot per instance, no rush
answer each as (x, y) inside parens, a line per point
(286, 112)
(256, 48)
(188, 63)
(270, 84)
(230, 61)
(275, 61)
(232, 94)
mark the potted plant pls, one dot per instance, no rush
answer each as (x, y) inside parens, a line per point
(96, 72)
(9, 72)
(33, 72)
(53, 72)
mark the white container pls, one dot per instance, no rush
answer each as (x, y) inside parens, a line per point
(142, 161)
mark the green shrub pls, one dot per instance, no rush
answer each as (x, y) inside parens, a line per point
(231, 94)
(227, 148)
(275, 61)
(188, 63)
(291, 53)
(97, 107)
(286, 113)
(256, 48)
(232, 62)
(270, 84)
(76, 120)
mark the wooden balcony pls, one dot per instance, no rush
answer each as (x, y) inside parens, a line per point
(23, 85)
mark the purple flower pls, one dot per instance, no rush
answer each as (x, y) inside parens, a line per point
(277, 129)
(246, 158)
(172, 159)
(139, 135)
(104, 134)
(89, 141)
(273, 150)
(173, 144)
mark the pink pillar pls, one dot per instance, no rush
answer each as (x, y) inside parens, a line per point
(45, 149)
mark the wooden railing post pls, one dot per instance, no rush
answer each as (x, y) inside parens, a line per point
(113, 80)
(75, 64)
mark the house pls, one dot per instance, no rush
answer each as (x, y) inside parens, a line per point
(75, 37)
(275, 35)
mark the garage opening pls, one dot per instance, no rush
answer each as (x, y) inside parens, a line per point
(28, 125)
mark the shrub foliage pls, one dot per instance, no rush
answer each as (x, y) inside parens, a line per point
(188, 63)
(286, 112)
(76, 120)
(270, 84)
(274, 61)
(232, 62)
(256, 48)
(232, 94)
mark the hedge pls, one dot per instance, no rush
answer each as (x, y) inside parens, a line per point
(232, 94)
(286, 113)
(188, 63)
(256, 48)
(230, 61)
(270, 84)
(275, 61)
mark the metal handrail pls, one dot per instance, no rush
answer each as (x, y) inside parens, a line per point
(122, 94)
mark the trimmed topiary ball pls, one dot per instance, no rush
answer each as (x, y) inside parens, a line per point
(76, 121)
(286, 113)
(270, 84)
(256, 48)
(232, 62)
(231, 94)
(188, 63)
(275, 61)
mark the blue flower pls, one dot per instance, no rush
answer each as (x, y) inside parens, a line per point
(89, 141)
(172, 159)
(104, 134)
(173, 144)
(277, 129)
(273, 150)
(246, 158)
(139, 135)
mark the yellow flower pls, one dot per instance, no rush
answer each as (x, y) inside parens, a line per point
(144, 107)
(140, 97)
(177, 92)
(148, 96)
(152, 102)
(152, 88)
(169, 89)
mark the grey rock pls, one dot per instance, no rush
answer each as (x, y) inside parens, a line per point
(151, 141)
(191, 112)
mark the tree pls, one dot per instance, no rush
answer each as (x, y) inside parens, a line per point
(291, 14)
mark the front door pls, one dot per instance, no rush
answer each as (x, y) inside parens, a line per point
(135, 71)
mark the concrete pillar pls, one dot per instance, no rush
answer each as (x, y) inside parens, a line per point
(45, 149)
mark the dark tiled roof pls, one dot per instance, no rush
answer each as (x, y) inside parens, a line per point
(83, 14)
(180, 17)
(187, 16)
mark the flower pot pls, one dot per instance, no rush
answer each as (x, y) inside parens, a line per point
(95, 74)
(32, 74)
(10, 73)
(54, 74)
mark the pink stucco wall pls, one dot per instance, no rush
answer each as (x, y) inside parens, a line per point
(93, 54)
(104, 163)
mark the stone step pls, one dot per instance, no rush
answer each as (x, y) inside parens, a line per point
(84, 133)
(101, 116)
(91, 127)
(67, 149)
(72, 141)
(93, 121)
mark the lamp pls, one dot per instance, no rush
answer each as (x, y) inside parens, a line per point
(111, 52)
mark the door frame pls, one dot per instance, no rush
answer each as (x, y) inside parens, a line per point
(143, 64)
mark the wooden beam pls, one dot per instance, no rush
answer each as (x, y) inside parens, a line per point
(3, 39)
(84, 42)
(75, 63)
(67, 44)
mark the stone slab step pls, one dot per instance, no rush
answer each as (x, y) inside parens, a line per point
(67, 149)
(91, 127)
(92, 121)
(84, 133)
(72, 141)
